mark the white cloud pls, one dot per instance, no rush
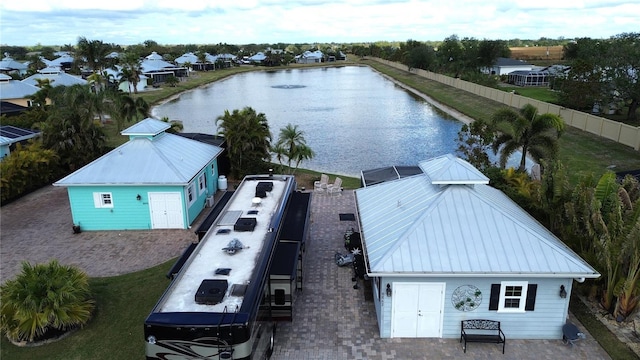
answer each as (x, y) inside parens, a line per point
(270, 21)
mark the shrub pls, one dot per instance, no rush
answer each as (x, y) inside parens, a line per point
(44, 299)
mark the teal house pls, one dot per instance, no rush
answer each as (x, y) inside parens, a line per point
(156, 180)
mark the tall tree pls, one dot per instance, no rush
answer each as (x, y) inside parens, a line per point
(623, 70)
(131, 70)
(92, 53)
(71, 129)
(292, 145)
(248, 140)
(526, 130)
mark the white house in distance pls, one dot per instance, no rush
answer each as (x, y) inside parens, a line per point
(443, 246)
(504, 66)
(156, 180)
(310, 57)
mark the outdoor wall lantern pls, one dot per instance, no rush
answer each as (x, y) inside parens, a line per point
(563, 292)
(388, 290)
(138, 197)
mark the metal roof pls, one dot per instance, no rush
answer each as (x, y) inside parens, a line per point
(146, 127)
(56, 77)
(413, 225)
(15, 89)
(166, 159)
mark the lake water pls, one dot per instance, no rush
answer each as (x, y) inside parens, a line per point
(353, 118)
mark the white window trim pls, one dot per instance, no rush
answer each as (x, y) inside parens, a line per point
(99, 200)
(191, 187)
(202, 183)
(522, 297)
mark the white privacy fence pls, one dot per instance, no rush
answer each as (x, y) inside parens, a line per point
(613, 130)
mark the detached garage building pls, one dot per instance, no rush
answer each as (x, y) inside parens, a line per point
(443, 246)
(156, 180)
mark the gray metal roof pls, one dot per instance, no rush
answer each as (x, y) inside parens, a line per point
(448, 169)
(56, 77)
(166, 159)
(146, 127)
(15, 89)
(413, 225)
(9, 64)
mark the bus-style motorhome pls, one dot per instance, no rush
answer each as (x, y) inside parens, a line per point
(219, 302)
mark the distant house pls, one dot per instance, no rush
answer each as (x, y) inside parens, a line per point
(15, 93)
(504, 66)
(156, 180)
(157, 70)
(11, 135)
(8, 66)
(309, 57)
(125, 85)
(56, 77)
(64, 61)
(195, 61)
(257, 58)
(443, 246)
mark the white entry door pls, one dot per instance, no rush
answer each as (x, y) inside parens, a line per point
(417, 310)
(166, 210)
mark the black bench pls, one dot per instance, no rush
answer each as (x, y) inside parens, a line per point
(485, 331)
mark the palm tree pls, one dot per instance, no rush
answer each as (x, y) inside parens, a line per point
(131, 70)
(93, 53)
(176, 126)
(248, 139)
(292, 145)
(535, 135)
(45, 297)
(71, 129)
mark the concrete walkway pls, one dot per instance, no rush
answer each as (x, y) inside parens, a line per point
(331, 319)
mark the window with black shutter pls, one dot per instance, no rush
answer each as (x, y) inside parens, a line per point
(513, 296)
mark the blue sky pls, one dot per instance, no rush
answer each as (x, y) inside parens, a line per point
(126, 22)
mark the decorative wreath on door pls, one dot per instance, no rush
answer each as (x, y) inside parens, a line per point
(466, 298)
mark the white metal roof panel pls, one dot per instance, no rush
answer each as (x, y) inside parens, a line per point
(457, 229)
(167, 159)
(449, 169)
(146, 127)
(15, 89)
(56, 78)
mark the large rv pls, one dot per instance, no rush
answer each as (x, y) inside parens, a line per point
(219, 302)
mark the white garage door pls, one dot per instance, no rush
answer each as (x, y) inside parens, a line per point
(417, 310)
(166, 210)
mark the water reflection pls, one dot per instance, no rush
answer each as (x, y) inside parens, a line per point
(353, 118)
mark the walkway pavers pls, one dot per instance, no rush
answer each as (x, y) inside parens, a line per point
(332, 320)
(38, 228)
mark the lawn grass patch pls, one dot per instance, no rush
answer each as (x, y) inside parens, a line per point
(116, 330)
(605, 338)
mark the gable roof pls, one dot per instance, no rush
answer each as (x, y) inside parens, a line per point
(420, 225)
(165, 159)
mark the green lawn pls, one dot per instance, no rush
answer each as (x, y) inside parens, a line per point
(116, 331)
(539, 93)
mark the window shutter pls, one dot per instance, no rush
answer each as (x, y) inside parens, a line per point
(494, 298)
(97, 200)
(531, 297)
